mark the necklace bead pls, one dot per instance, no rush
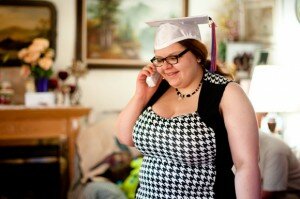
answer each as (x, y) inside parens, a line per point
(182, 96)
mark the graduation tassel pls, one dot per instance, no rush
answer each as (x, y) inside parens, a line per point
(213, 64)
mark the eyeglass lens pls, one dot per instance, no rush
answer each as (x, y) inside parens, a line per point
(170, 59)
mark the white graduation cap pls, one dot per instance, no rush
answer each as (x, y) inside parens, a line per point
(170, 31)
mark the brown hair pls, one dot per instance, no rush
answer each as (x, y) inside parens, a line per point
(200, 51)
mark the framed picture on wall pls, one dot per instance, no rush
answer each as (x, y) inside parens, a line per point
(241, 57)
(113, 34)
(20, 23)
(257, 21)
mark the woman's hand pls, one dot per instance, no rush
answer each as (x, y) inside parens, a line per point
(143, 91)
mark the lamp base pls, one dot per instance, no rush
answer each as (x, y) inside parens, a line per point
(273, 123)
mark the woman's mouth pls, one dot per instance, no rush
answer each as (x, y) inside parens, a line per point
(171, 75)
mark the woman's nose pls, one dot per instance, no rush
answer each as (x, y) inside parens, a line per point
(166, 65)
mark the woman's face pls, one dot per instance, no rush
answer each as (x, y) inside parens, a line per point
(183, 73)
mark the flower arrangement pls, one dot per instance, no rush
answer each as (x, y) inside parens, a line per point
(37, 59)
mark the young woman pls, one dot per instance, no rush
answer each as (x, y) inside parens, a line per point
(193, 126)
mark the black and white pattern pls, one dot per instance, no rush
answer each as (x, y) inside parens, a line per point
(215, 78)
(179, 154)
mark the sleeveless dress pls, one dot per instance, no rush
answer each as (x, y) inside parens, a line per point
(186, 156)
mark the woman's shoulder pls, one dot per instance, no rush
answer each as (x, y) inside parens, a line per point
(235, 97)
(233, 87)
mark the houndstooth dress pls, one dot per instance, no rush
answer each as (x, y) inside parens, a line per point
(179, 152)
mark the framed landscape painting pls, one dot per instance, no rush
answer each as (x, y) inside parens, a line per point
(20, 23)
(113, 34)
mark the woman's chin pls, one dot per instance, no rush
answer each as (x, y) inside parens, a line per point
(174, 83)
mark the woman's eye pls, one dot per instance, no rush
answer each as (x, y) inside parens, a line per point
(159, 60)
(172, 58)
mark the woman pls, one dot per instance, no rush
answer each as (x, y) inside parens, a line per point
(192, 126)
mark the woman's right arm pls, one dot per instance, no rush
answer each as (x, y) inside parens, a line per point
(127, 119)
(133, 109)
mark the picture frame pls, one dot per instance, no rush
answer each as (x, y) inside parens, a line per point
(242, 57)
(21, 22)
(252, 12)
(125, 41)
(262, 57)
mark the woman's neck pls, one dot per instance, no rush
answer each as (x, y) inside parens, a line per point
(194, 83)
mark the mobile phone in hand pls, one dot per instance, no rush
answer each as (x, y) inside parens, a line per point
(152, 80)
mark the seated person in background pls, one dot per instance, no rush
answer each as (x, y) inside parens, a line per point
(280, 169)
(101, 163)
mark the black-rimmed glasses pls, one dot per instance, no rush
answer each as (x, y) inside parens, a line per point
(173, 59)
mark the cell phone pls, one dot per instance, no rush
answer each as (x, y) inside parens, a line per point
(152, 80)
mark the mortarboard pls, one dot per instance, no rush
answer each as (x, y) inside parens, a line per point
(170, 31)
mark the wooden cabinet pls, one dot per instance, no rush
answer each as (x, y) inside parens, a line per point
(20, 125)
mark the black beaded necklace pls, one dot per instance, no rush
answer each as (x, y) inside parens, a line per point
(182, 96)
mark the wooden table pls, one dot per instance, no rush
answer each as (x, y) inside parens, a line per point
(19, 123)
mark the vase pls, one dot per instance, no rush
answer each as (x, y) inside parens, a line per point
(41, 84)
(30, 84)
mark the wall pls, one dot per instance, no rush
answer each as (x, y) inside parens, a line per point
(66, 25)
(288, 32)
(287, 50)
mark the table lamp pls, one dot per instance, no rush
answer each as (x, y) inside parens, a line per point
(273, 89)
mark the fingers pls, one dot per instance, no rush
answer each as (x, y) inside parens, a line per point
(149, 69)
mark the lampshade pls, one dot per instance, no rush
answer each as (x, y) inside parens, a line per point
(275, 89)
